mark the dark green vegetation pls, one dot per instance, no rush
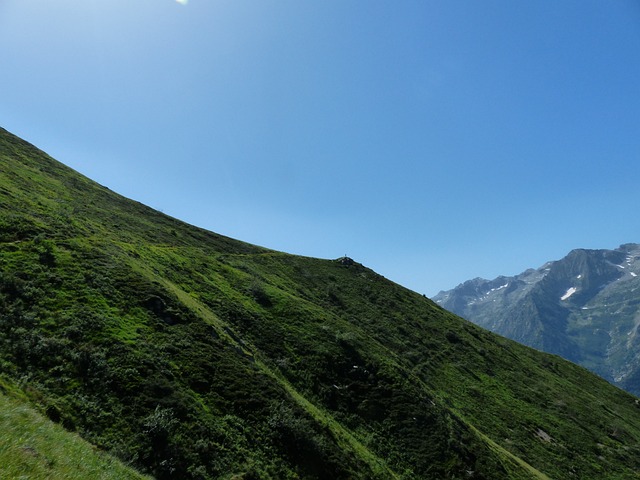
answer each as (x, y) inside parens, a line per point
(192, 355)
(584, 307)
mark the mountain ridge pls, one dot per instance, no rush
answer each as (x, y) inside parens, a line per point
(192, 355)
(557, 307)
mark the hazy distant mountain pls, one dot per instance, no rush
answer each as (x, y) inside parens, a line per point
(585, 307)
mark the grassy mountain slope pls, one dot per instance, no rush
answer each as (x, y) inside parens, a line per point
(33, 447)
(193, 355)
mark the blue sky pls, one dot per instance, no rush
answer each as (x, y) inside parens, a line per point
(433, 141)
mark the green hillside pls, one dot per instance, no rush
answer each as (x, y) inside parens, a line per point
(34, 448)
(192, 355)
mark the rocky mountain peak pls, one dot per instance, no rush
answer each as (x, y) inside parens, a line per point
(584, 307)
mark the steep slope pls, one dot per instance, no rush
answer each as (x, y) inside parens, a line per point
(193, 355)
(584, 307)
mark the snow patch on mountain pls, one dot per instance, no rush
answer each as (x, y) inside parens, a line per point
(568, 293)
(498, 288)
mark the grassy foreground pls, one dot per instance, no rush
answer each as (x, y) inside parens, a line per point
(32, 447)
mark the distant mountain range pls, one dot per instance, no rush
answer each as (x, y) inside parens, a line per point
(584, 307)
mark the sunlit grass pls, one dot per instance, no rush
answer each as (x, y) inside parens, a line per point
(33, 448)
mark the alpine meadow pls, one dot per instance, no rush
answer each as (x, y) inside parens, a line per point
(187, 354)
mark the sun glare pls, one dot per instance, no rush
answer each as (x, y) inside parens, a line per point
(182, 2)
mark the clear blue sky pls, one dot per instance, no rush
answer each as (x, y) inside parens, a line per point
(433, 141)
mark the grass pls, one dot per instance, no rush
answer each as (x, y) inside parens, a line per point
(32, 447)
